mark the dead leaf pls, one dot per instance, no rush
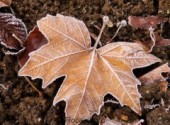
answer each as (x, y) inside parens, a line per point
(114, 122)
(160, 41)
(163, 42)
(12, 31)
(155, 75)
(110, 122)
(145, 22)
(90, 73)
(149, 44)
(149, 23)
(4, 3)
(33, 42)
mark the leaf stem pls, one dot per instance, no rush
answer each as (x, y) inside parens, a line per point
(5, 88)
(105, 20)
(12, 11)
(153, 38)
(34, 87)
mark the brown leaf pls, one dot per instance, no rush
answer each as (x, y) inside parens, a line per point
(149, 44)
(12, 31)
(145, 22)
(108, 121)
(114, 122)
(160, 41)
(90, 73)
(4, 3)
(163, 42)
(155, 75)
(34, 41)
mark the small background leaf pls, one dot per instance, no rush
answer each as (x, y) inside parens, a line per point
(12, 31)
(145, 22)
(34, 41)
(4, 3)
(155, 75)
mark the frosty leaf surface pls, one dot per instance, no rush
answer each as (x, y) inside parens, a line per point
(155, 75)
(13, 32)
(90, 73)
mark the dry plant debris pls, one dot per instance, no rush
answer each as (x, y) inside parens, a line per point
(145, 22)
(13, 32)
(160, 41)
(90, 73)
(34, 41)
(155, 75)
(114, 122)
(150, 23)
(4, 3)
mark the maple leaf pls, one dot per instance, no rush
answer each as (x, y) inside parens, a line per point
(155, 74)
(4, 3)
(12, 31)
(90, 73)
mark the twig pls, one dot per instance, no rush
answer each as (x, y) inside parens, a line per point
(5, 88)
(153, 38)
(12, 11)
(34, 87)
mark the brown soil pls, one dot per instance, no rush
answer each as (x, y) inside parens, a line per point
(21, 104)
